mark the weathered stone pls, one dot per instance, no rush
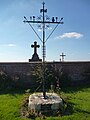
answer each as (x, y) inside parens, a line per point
(51, 103)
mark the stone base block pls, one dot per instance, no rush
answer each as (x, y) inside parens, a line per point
(52, 102)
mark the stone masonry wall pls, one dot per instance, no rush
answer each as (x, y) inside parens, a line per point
(76, 70)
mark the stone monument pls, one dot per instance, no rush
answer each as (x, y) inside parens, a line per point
(35, 56)
(52, 104)
(43, 102)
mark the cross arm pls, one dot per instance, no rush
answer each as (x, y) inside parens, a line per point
(38, 46)
(26, 21)
(32, 46)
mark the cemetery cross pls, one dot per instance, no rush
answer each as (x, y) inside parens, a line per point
(43, 23)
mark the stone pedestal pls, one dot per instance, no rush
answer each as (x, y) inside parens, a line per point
(35, 57)
(52, 103)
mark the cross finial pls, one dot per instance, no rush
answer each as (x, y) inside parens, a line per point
(43, 3)
(35, 46)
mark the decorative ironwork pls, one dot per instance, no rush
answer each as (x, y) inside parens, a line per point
(43, 22)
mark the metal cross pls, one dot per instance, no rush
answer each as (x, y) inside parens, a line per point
(43, 24)
(62, 55)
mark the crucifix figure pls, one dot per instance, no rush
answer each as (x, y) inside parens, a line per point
(35, 46)
(62, 55)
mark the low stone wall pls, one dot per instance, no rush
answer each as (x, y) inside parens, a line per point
(76, 70)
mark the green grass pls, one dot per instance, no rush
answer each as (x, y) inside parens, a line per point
(9, 107)
(79, 98)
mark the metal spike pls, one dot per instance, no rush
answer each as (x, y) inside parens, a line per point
(24, 17)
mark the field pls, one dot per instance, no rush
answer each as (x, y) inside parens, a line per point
(78, 98)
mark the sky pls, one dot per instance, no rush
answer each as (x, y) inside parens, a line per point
(72, 38)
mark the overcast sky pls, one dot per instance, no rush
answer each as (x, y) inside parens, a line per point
(72, 38)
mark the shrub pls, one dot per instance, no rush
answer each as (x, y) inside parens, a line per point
(6, 82)
(52, 76)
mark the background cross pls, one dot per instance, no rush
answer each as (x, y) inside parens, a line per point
(35, 46)
(62, 55)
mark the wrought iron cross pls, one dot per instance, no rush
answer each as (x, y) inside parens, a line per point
(43, 23)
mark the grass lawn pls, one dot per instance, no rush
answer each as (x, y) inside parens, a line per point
(79, 98)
